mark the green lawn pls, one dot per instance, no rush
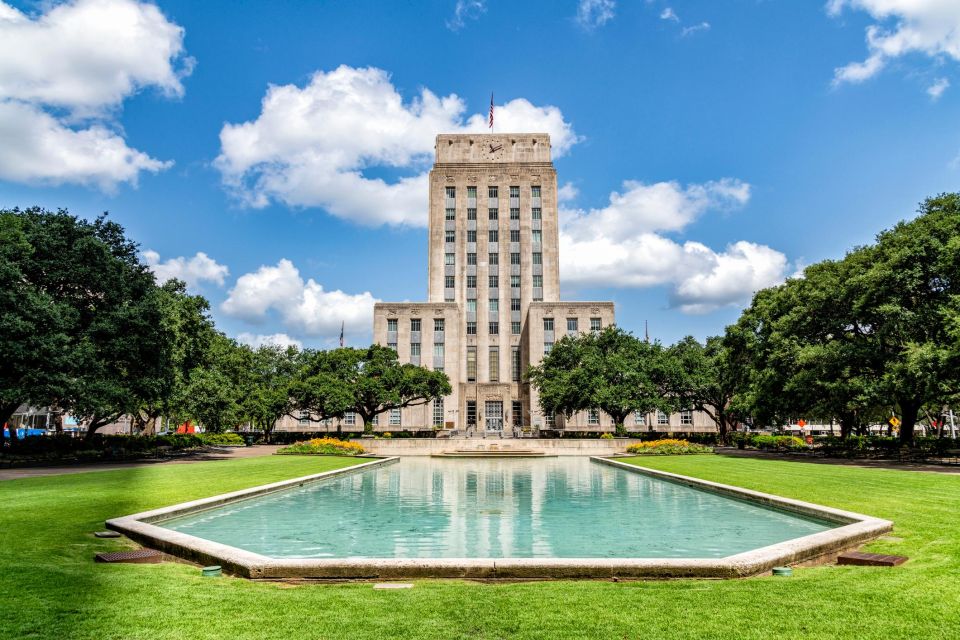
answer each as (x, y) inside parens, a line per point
(50, 587)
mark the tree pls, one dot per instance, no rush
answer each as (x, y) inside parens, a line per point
(268, 396)
(214, 393)
(86, 333)
(367, 382)
(610, 370)
(707, 378)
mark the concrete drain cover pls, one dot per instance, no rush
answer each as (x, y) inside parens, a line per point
(106, 534)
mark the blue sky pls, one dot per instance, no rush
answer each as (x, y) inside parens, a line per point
(743, 139)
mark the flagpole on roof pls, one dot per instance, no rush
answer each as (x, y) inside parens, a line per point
(491, 112)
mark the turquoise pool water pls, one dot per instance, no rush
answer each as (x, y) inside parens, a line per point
(566, 507)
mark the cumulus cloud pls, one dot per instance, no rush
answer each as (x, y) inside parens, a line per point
(928, 27)
(37, 148)
(595, 13)
(689, 31)
(305, 307)
(669, 14)
(257, 340)
(937, 88)
(622, 245)
(567, 192)
(310, 146)
(194, 271)
(466, 10)
(64, 74)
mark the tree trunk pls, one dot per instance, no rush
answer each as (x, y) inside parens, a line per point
(908, 422)
(722, 428)
(847, 425)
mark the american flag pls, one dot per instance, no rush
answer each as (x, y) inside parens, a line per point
(491, 110)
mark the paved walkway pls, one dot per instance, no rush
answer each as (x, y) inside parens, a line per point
(224, 453)
(866, 464)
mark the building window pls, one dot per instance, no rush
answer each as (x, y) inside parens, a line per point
(395, 417)
(515, 364)
(472, 259)
(471, 192)
(593, 417)
(472, 213)
(494, 258)
(414, 324)
(515, 328)
(391, 325)
(515, 281)
(638, 418)
(494, 328)
(686, 417)
(471, 305)
(449, 259)
(514, 192)
(350, 418)
(450, 236)
(415, 349)
(304, 418)
(535, 191)
(493, 235)
(438, 409)
(451, 214)
(438, 324)
(514, 235)
(514, 304)
(662, 418)
(537, 236)
(571, 325)
(595, 324)
(494, 364)
(514, 213)
(535, 213)
(494, 282)
(492, 193)
(494, 305)
(538, 282)
(471, 328)
(392, 345)
(517, 413)
(472, 235)
(471, 364)
(547, 347)
(548, 324)
(438, 351)
(451, 192)
(471, 282)
(515, 258)
(449, 282)
(537, 257)
(493, 213)
(550, 420)
(471, 413)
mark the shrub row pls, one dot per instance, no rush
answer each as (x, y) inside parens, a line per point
(114, 447)
(323, 446)
(667, 447)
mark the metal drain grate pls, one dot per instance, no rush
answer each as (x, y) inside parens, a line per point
(870, 559)
(137, 556)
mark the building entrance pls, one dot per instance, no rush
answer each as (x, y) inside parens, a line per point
(493, 414)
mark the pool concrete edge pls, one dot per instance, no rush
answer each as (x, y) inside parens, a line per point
(855, 530)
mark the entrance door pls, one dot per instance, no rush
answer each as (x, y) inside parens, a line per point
(493, 414)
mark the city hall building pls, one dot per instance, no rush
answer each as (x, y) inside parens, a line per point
(493, 304)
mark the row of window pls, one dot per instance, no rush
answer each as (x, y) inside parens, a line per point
(573, 324)
(415, 324)
(493, 213)
(494, 362)
(493, 192)
(493, 328)
(493, 259)
(493, 235)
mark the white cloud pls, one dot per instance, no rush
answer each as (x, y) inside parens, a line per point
(688, 31)
(595, 13)
(466, 10)
(928, 27)
(619, 245)
(567, 192)
(669, 14)
(310, 146)
(82, 59)
(200, 268)
(305, 308)
(257, 340)
(37, 148)
(937, 88)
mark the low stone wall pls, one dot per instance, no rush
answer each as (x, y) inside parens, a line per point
(553, 447)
